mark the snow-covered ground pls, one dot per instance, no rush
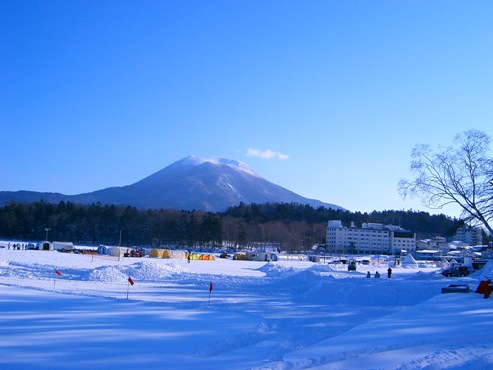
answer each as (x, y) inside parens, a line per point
(278, 315)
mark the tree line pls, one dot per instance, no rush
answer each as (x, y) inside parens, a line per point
(288, 226)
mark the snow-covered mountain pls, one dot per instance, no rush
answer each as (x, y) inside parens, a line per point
(210, 184)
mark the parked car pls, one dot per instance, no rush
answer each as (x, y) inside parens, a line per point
(456, 271)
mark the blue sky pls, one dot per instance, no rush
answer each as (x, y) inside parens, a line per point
(96, 94)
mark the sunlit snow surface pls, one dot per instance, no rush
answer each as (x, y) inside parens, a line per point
(279, 315)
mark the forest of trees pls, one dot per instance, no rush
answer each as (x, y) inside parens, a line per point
(291, 227)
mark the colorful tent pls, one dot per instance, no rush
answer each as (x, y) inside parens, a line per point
(206, 257)
(200, 257)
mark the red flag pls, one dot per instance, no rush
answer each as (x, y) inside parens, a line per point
(130, 281)
(58, 272)
(210, 287)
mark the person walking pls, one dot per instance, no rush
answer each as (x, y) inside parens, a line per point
(389, 273)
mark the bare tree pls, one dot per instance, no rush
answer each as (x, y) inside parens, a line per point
(460, 174)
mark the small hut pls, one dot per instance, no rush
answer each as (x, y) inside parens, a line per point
(44, 246)
(114, 251)
(258, 256)
(177, 254)
(242, 256)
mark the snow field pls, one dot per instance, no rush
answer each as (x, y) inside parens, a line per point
(280, 315)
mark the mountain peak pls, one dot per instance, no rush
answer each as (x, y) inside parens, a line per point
(192, 160)
(209, 184)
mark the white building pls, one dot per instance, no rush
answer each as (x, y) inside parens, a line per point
(469, 235)
(438, 242)
(371, 238)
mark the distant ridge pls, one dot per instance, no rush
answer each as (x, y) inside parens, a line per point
(192, 183)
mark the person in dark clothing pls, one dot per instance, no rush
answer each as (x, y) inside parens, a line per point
(389, 273)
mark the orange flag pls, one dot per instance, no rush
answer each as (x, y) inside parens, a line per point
(210, 287)
(130, 281)
(58, 272)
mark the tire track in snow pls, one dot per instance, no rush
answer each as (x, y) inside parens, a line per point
(453, 356)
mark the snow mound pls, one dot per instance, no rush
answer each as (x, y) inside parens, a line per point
(322, 268)
(369, 292)
(151, 271)
(141, 271)
(485, 273)
(275, 270)
(108, 274)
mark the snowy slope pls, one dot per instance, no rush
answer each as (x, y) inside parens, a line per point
(282, 315)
